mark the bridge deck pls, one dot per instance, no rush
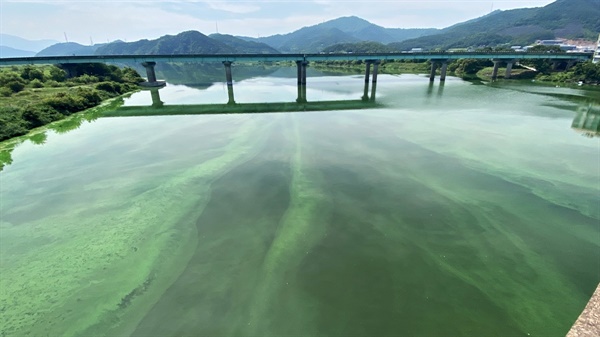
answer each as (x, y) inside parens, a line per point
(290, 57)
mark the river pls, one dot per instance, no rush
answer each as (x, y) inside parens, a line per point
(463, 209)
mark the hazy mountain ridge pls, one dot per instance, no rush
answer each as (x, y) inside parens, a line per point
(190, 42)
(69, 49)
(19, 43)
(12, 52)
(352, 29)
(243, 46)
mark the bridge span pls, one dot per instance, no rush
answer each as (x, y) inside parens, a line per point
(302, 60)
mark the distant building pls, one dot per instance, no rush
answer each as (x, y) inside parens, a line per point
(416, 50)
(567, 47)
(550, 42)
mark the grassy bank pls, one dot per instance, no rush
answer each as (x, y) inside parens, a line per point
(33, 96)
(385, 67)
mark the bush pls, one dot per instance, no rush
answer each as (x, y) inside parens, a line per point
(11, 123)
(90, 97)
(131, 76)
(30, 73)
(57, 74)
(85, 79)
(110, 87)
(35, 83)
(64, 103)
(15, 86)
(38, 115)
(5, 92)
(53, 84)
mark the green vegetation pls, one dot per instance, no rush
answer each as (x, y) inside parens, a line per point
(359, 47)
(34, 96)
(385, 67)
(562, 18)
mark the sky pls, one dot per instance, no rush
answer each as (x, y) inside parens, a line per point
(100, 21)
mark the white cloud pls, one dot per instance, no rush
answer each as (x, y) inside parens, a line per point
(232, 7)
(129, 20)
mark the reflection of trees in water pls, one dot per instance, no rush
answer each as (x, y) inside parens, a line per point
(587, 119)
(5, 158)
(67, 125)
(72, 122)
(39, 138)
(203, 75)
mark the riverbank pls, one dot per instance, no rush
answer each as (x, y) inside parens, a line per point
(31, 97)
(584, 73)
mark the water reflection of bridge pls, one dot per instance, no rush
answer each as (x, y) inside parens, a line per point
(366, 101)
(587, 120)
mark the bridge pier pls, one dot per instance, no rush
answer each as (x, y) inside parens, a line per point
(365, 96)
(509, 65)
(156, 102)
(150, 74)
(570, 63)
(374, 82)
(433, 69)
(495, 71)
(443, 71)
(301, 66)
(299, 84)
(70, 69)
(229, 80)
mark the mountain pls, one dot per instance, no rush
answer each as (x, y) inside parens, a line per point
(190, 42)
(68, 49)
(243, 46)
(20, 43)
(351, 29)
(308, 40)
(366, 31)
(359, 47)
(560, 19)
(12, 52)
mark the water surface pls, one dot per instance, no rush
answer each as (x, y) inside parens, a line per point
(456, 210)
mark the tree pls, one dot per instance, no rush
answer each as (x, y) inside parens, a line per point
(30, 73)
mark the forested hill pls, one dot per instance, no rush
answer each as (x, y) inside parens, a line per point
(68, 48)
(190, 42)
(350, 29)
(562, 18)
(243, 46)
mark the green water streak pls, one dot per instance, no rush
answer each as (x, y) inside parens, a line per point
(114, 263)
(302, 226)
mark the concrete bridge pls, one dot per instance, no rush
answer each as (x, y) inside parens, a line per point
(302, 60)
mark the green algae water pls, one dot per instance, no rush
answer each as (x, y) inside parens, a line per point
(452, 210)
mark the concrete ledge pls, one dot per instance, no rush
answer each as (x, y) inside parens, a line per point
(155, 84)
(588, 323)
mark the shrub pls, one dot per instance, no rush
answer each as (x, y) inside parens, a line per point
(90, 97)
(53, 83)
(11, 124)
(131, 76)
(31, 73)
(15, 86)
(85, 79)
(64, 103)
(109, 87)
(36, 83)
(57, 74)
(5, 92)
(38, 115)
